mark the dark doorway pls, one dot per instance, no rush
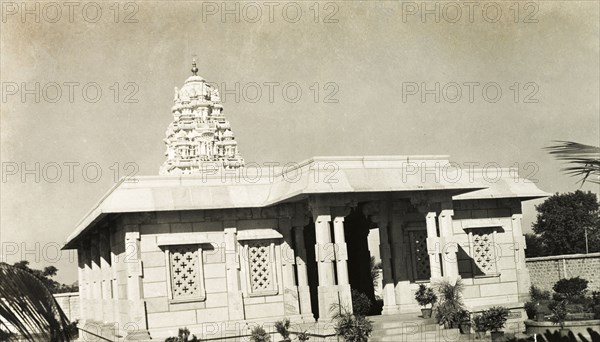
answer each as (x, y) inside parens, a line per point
(356, 231)
(311, 267)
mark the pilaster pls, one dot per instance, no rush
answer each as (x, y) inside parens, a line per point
(433, 246)
(449, 247)
(135, 298)
(523, 277)
(290, 290)
(235, 301)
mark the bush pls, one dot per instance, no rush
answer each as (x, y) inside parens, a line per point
(425, 295)
(351, 327)
(361, 304)
(183, 336)
(495, 317)
(283, 328)
(572, 289)
(531, 308)
(258, 334)
(559, 312)
(538, 295)
(596, 304)
(449, 303)
(303, 336)
(480, 323)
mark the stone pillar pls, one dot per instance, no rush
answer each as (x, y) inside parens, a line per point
(135, 299)
(288, 260)
(381, 217)
(433, 246)
(449, 247)
(84, 264)
(303, 287)
(105, 269)
(235, 301)
(96, 279)
(325, 254)
(341, 258)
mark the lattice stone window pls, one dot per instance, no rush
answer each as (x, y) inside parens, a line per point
(261, 271)
(420, 257)
(186, 279)
(483, 251)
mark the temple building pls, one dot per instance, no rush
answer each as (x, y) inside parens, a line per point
(216, 247)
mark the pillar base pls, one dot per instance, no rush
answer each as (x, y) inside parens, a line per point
(390, 310)
(345, 296)
(235, 305)
(328, 300)
(138, 335)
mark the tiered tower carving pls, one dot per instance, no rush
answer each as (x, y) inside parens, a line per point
(199, 133)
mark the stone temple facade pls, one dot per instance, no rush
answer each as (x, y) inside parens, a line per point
(217, 250)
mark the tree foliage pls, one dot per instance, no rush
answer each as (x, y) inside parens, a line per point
(45, 277)
(583, 160)
(28, 308)
(562, 220)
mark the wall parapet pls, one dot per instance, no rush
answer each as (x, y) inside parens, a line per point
(564, 256)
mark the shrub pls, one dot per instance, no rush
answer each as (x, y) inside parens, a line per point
(258, 334)
(351, 327)
(572, 289)
(361, 304)
(538, 295)
(425, 295)
(531, 308)
(303, 336)
(480, 323)
(449, 302)
(183, 336)
(596, 304)
(496, 317)
(463, 316)
(283, 328)
(559, 312)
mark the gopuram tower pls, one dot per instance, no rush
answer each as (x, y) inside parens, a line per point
(199, 133)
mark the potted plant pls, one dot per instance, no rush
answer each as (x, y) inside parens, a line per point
(559, 315)
(303, 336)
(283, 328)
(481, 326)
(496, 318)
(183, 336)
(463, 317)
(350, 327)
(425, 296)
(450, 302)
(259, 334)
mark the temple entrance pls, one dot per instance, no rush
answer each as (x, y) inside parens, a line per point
(361, 268)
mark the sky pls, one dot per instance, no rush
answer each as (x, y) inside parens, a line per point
(89, 87)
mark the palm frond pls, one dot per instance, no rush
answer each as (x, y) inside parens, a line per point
(583, 160)
(29, 308)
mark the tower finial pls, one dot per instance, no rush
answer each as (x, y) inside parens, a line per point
(194, 68)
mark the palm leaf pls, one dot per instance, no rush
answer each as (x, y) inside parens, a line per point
(29, 308)
(583, 160)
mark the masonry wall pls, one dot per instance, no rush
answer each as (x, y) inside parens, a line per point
(546, 271)
(69, 303)
(207, 317)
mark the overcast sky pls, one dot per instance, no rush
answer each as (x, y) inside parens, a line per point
(361, 68)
